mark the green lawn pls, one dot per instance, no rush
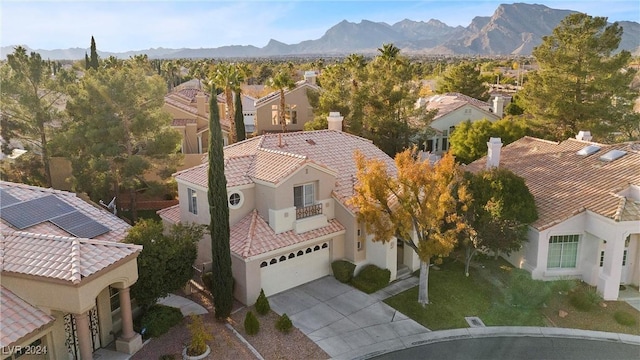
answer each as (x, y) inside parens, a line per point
(488, 294)
(453, 296)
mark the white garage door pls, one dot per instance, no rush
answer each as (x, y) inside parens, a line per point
(295, 268)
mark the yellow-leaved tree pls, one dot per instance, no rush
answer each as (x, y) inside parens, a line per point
(418, 206)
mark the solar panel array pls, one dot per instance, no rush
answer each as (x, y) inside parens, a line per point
(24, 214)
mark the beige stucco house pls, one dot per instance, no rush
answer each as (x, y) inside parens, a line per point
(298, 109)
(452, 109)
(588, 200)
(64, 276)
(288, 210)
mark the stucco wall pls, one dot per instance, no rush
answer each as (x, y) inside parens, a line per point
(298, 97)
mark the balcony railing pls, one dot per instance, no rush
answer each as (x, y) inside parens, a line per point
(308, 211)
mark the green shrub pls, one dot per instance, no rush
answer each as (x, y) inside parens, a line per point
(371, 279)
(199, 336)
(251, 324)
(207, 280)
(158, 319)
(284, 323)
(526, 292)
(167, 357)
(564, 285)
(262, 304)
(584, 299)
(624, 318)
(343, 270)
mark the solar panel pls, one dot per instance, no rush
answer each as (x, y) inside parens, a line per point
(80, 225)
(28, 213)
(7, 199)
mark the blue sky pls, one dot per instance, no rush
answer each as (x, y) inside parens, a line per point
(134, 25)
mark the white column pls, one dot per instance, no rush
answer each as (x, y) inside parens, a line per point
(609, 280)
(84, 336)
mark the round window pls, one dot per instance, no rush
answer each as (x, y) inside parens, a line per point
(235, 200)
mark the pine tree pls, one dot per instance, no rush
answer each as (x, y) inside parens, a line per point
(464, 79)
(240, 130)
(93, 62)
(219, 213)
(262, 304)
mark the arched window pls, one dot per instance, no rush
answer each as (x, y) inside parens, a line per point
(292, 255)
(283, 258)
(316, 248)
(308, 250)
(325, 245)
(263, 264)
(300, 253)
(273, 261)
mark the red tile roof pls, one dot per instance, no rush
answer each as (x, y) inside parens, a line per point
(171, 214)
(565, 184)
(60, 257)
(118, 228)
(262, 158)
(183, 122)
(449, 102)
(18, 318)
(252, 236)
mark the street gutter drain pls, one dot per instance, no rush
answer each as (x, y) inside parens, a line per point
(474, 321)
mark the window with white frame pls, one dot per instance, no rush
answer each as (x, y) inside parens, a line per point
(275, 117)
(235, 200)
(290, 114)
(303, 195)
(563, 251)
(445, 138)
(192, 198)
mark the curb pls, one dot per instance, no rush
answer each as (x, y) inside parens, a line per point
(249, 346)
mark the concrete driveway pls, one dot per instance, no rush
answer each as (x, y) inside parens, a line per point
(345, 322)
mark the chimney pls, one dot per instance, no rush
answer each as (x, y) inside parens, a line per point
(310, 77)
(498, 105)
(201, 104)
(334, 121)
(493, 155)
(584, 135)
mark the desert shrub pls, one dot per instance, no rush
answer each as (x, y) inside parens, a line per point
(199, 336)
(262, 304)
(564, 285)
(207, 280)
(526, 292)
(624, 318)
(584, 299)
(371, 279)
(284, 324)
(343, 270)
(158, 319)
(167, 357)
(251, 324)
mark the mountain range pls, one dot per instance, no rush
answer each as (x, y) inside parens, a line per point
(514, 29)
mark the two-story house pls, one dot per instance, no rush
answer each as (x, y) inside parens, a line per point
(65, 276)
(288, 209)
(297, 107)
(452, 109)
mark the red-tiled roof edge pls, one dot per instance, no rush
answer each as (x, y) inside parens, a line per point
(11, 295)
(177, 173)
(71, 239)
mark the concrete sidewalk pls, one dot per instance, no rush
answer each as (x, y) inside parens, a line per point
(186, 306)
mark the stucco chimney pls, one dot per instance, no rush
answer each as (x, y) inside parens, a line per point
(334, 121)
(584, 135)
(493, 155)
(310, 77)
(201, 104)
(498, 105)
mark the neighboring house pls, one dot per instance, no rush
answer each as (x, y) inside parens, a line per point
(248, 111)
(588, 201)
(288, 210)
(452, 109)
(297, 107)
(64, 276)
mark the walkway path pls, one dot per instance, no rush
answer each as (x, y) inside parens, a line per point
(186, 306)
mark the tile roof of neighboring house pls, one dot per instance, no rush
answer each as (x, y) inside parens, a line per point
(172, 213)
(18, 318)
(173, 99)
(252, 236)
(274, 94)
(449, 102)
(183, 122)
(263, 159)
(60, 257)
(565, 184)
(117, 227)
(248, 102)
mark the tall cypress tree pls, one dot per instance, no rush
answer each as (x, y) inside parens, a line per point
(87, 62)
(240, 131)
(219, 212)
(93, 62)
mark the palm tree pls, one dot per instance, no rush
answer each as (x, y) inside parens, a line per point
(389, 54)
(281, 81)
(229, 77)
(170, 71)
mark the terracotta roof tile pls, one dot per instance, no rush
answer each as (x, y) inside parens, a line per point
(565, 184)
(59, 257)
(449, 102)
(18, 318)
(252, 235)
(171, 214)
(118, 228)
(183, 122)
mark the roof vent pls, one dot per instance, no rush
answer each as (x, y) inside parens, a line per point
(613, 155)
(311, 142)
(588, 150)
